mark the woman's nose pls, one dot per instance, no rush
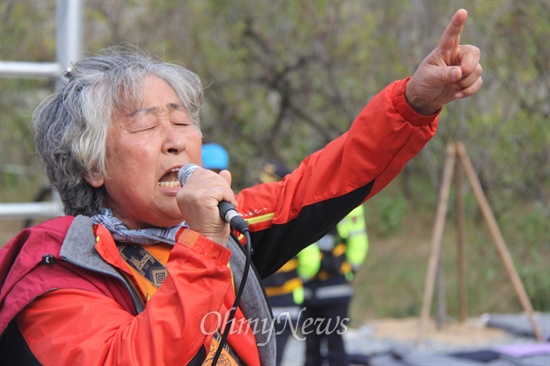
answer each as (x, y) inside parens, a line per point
(174, 141)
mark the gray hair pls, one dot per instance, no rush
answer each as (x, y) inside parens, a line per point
(72, 124)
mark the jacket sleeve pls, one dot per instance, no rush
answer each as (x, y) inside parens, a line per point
(286, 216)
(76, 327)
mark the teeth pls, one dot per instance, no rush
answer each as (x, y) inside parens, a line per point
(172, 184)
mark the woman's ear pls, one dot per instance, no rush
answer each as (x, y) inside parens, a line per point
(96, 180)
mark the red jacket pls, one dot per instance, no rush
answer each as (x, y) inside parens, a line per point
(85, 316)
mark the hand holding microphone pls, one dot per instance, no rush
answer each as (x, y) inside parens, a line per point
(227, 212)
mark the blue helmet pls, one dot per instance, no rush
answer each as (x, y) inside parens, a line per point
(214, 156)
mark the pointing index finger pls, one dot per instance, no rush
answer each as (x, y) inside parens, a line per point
(450, 40)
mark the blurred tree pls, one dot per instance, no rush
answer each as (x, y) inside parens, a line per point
(285, 77)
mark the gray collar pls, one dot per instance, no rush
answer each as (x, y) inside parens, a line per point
(79, 249)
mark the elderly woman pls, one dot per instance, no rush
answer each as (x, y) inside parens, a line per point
(142, 270)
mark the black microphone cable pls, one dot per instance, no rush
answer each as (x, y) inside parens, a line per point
(247, 264)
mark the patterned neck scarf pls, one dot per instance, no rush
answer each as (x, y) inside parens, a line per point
(121, 233)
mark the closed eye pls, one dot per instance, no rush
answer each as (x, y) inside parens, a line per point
(146, 119)
(179, 117)
(183, 124)
(143, 129)
(143, 123)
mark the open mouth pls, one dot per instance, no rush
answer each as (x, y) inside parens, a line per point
(170, 180)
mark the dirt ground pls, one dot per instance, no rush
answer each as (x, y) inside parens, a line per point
(471, 332)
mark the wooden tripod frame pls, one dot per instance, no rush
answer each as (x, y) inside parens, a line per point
(455, 149)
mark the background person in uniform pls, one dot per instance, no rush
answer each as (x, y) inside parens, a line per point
(328, 292)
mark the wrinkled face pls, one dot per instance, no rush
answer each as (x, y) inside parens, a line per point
(145, 149)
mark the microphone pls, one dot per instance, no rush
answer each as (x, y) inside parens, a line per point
(228, 213)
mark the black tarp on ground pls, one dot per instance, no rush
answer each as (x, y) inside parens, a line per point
(475, 358)
(519, 323)
(522, 354)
